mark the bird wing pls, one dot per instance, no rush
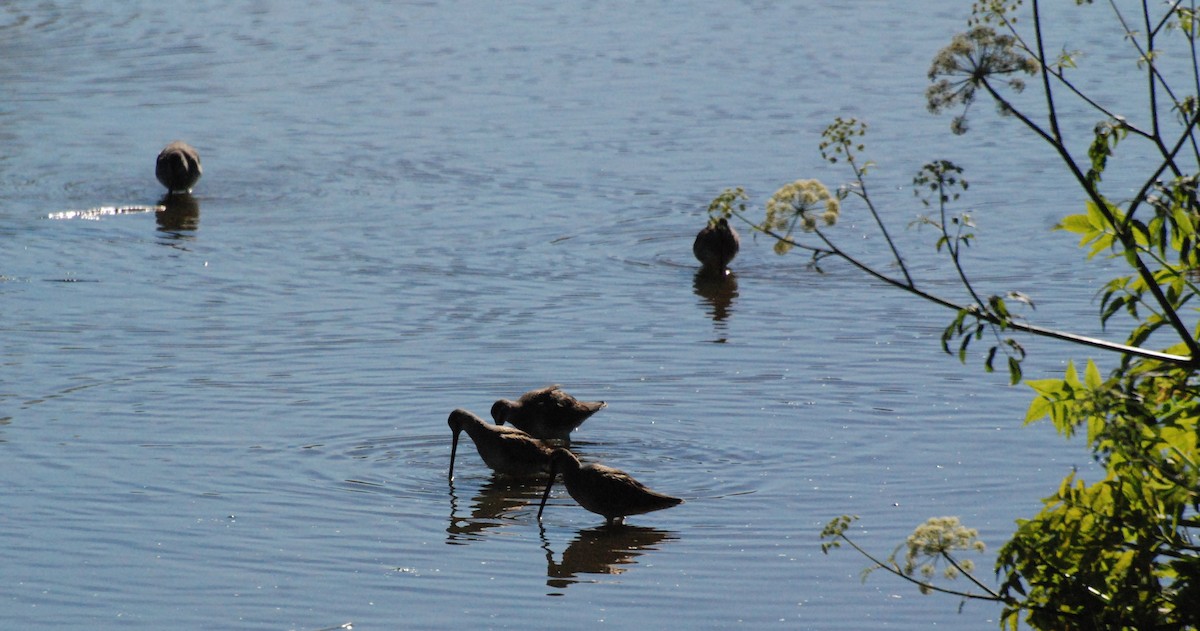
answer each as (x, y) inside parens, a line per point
(540, 396)
(518, 442)
(615, 481)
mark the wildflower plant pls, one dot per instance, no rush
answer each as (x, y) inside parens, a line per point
(800, 204)
(933, 550)
(932, 544)
(1121, 552)
(976, 60)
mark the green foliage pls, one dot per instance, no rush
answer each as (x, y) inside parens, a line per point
(1107, 135)
(941, 177)
(1116, 554)
(835, 531)
(971, 325)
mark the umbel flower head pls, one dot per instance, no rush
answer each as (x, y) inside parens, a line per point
(971, 59)
(801, 204)
(933, 541)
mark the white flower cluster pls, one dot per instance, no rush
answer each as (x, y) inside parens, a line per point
(806, 198)
(933, 541)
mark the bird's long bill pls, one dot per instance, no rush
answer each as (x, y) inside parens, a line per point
(546, 495)
(453, 450)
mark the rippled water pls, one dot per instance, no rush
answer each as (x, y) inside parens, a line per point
(236, 416)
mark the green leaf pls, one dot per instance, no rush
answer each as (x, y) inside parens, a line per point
(1183, 221)
(1111, 307)
(1039, 408)
(1070, 376)
(1014, 371)
(1046, 387)
(1091, 376)
(998, 306)
(1102, 243)
(1141, 234)
(1078, 224)
(1095, 218)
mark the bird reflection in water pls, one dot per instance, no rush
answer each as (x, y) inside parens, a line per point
(604, 550)
(719, 291)
(178, 212)
(492, 507)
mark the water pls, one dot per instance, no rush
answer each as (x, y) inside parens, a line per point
(408, 208)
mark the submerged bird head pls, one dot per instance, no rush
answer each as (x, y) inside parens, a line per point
(458, 419)
(501, 409)
(561, 459)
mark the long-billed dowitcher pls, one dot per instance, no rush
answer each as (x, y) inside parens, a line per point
(716, 245)
(178, 167)
(604, 490)
(507, 450)
(547, 413)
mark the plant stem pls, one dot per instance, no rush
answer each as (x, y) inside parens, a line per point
(979, 310)
(992, 596)
(862, 185)
(1127, 240)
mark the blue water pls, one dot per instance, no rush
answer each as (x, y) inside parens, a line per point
(408, 208)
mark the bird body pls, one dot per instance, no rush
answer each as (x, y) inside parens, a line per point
(178, 167)
(547, 413)
(506, 450)
(716, 245)
(604, 490)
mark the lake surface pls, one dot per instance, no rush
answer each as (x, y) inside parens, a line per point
(237, 418)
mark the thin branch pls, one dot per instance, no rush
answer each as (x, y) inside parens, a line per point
(978, 310)
(862, 186)
(950, 559)
(1168, 160)
(1191, 285)
(1195, 73)
(1127, 240)
(930, 586)
(954, 249)
(1051, 110)
(1166, 18)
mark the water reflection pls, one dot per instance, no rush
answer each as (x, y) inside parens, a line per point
(718, 289)
(601, 550)
(179, 212)
(491, 507)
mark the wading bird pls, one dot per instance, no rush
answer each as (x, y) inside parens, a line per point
(178, 167)
(716, 245)
(604, 490)
(547, 413)
(508, 451)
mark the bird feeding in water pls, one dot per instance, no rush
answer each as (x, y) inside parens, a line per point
(604, 490)
(178, 167)
(506, 450)
(546, 413)
(716, 245)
